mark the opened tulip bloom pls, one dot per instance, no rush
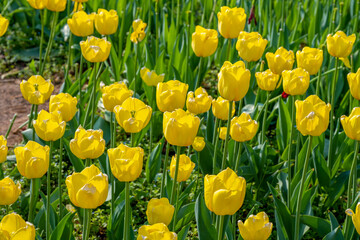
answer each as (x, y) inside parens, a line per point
(267, 80)
(355, 217)
(220, 108)
(106, 22)
(250, 46)
(281, 60)
(81, 24)
(9, 191)
(150, 77)
(139, 31)
(115, 94)
(87, 143)
(312, 116)
(133, 115)
(56, 5)
(38, 4)
(198, 144)
(339, 45)
(354, 84)
(351, 124)
(13, 227)
(3, 149)
(32, 160)
(256, 227)
(36, 90)
(231, 21)
(95, 49)
(64, 104)
(198, 102)
(159, 211)
(171, 95)
(204, 41)
(296, 82)
(222, 133)
(158, 231)
(243, 128)
(185, 167)
(4, 24)
(49, 126)
(310, 59)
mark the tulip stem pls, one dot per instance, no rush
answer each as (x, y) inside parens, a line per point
(31, 115)
(318, 83)
(94, 104)
(10, 126)
(151, 120)
(292, 99)
(135, 66)
(223, 163)
(86, 222)
(352, 177)
(228, 52)
(299, 200)
(173, 190)
(60, 178)
(49, 46)
(112, 144)
(162, 189)
(263, 128)
(32, 200)
(216, 136)
(215, 130)
(156, 30)
(236, 171)
(127, 211)
(198, 81)
(41, 38)
(48, 190)
(178, 188)
(34, 118)
(221, 226)
(80, 84)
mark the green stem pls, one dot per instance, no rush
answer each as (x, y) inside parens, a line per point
(178, 16)
(162, 189)
(221, 226)
(112, 144)
(94, 103)
(228, 54)
(86, 222)
(352, 180)
(176, 206)
(41, 37)
(49, 46)
(60, 178)
(227, 136)
(48, 190)
(264, 118)
(32, 200)
(156, 30)
(11, 125)
(68, 64)
(318, 83)
(216, 136)
(35, 117)
(292, 99)
(215, 133)
(135, 68)
(172, 199)
(198, 80)
(127, 211)
(80, 83)
(236, 171)
(31, 116)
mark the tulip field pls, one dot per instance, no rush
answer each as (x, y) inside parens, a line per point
(174, 120)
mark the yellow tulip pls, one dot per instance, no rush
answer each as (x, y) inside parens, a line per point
(159, 211)
(95, 49)
(180, 127)
(4, 24)
(171, 95)
(234, 81)
(89, 188)
(296, 82)
(243, 128)
(267, 80)
(312, 116)
(198, 103)
(133, 115)
(198, 144)
(224, 193)
(351, 124)
(78, 5)
(81, 24)
(9, 191)
(65, 104)
(256, 227)
(355, 217)
(220, 108)
(354, 84)
(185, 167)
(49, 126)
(222, 133)
(158, 231)
(339, 45)
(56, 5)
(310, 59)
(32, 160)
(38, 4)
(36, 90)
(281, 60)
(13, 227)
(231, 21)
(126, 162)
(150, 77)
(106, 22)
(3, 149)
(87, 143)
(139, 31)
(204, 41)
(115, 94)
(250, 46)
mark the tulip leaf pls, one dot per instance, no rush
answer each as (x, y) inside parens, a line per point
(63, 227)
(337, 187)
(321, 169)
(153, 164)
(321, 226)
(76, 162)
(336, 234)
(203, 220)
(183, 232)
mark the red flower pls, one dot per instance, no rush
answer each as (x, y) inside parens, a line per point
(284, 95)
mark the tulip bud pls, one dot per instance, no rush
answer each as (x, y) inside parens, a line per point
(256, 227)
(355, 217)
(13, 227)
(281, 60)
(354, 84)
(87, 143)
(185, 168)
(158, 231)
(250, 46)
(204, 41)
(49, 126)
(220, 108)
(4, 24)
(36, 90)
(198, 144)
(351, 124)
(56, 5)
(171, 95)
(150, 77)
(139, 31)
(115, 94)
(231, 21)
(95, 49)
(9, 191)
(310, 59)
(106, 22)
(198, 103)
(339, 45)
(296, 82)
(222, 133)
(243, 128)
(65, 104)
(3, 149)
(81, 24)
(37, 4)
(267, 80)
(159, 211)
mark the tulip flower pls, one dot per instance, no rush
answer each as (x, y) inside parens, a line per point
(49, 126)
(198, 144)
(220, 108)
(81, 24)
(256, 227)
(106, 22)
(231, 21)
(89, 188)
(159, 211)
(204, 41)
(180, 127)
(310, 59)
(3, 149)
(267, 80)
(4, 24)
(78, 5)
(222, 133)
(133, 115)
(355, 217)
(281, 60)
(95, 49)
(32, 160)
(150, 77)
(38, 4)
(198, 103)
(234, 81)
(87, 143)
(139, 31)
(351, 124)
(171, 95)
(354, 84)
(296, 82)
(312, 116)
(65, 104)
(225, 192)
(36, 90)
(9, 191)
(13, 227)
(56, 5)
(126, 162)
(339, 45)
(158, 231)
(185, 167)
(250, 46)
(115, 94)
(243, 128)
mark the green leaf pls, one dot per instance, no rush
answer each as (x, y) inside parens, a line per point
(153, 164)
(321, 226)
(62, 227)
(203, 220)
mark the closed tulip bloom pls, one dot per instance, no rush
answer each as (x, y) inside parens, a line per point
(296, 82)
(65, 104)
(87, 143)
(9, 191)
(171, 95)
(222, 133)
(220, 108)
(231, 21)
(95, 49)
(32, 160)
(267, 80)
(185, 167)
(225, 192)
(49, 126)
(180, 127)
(89, 188)
(159, 211)
(339, 45)
(3, 149)
(4, 24)
(150, 77)
(81, 24)
(310, 59)
(204, 41)
(351, 124)
(250, 46)
(126, 162)
(198, 144)
(158, 231)
(106, 22)
(36, 90)
(13, 227)
(38, 4)
(198, 103)
(354, 84)
(281, 60)
(139, 31)
(133, 115)
(312, 116)
(115, 94)
(256, 227)
(243, 128)
(56, 5)
(355, 217)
